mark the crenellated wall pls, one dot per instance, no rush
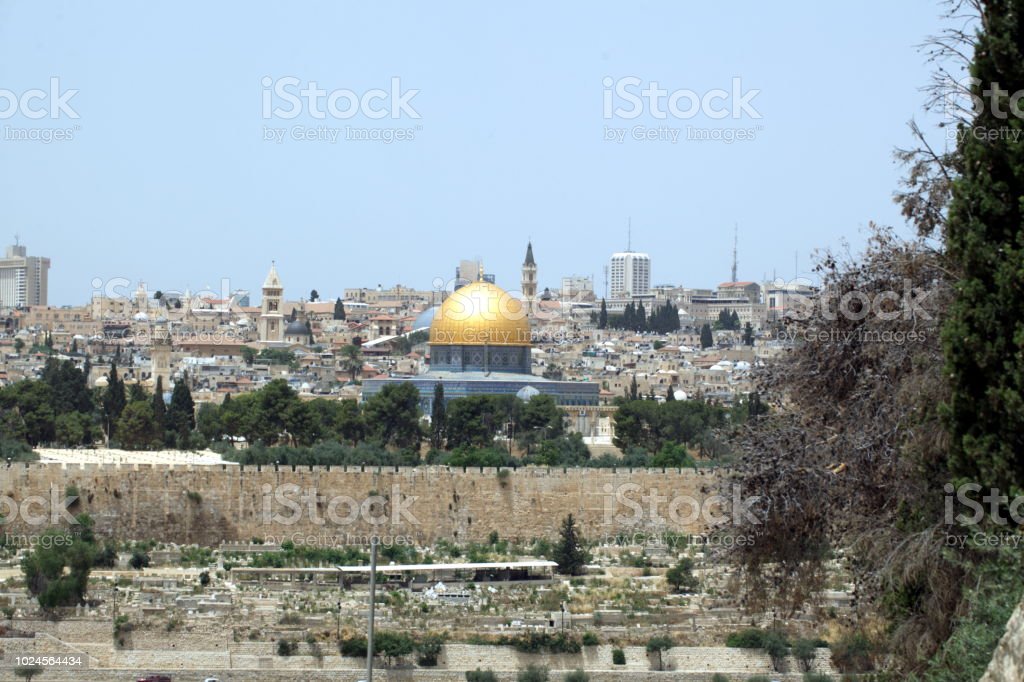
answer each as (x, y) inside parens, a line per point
(338, 505)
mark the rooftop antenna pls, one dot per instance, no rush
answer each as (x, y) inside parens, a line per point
(735, 241)
(629, 235)
(17, 239)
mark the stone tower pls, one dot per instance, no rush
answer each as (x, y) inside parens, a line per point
(160, 355)
(529, 283)
(271, 325)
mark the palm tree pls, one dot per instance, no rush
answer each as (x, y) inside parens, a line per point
(352, 358)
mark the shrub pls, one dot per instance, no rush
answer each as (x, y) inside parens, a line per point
(719, 677)
(656, 645)
(816, 677)
(576, 676)
(428, 648)
(352, 646)
(618, 657)
(776, 646)
(853, 653)
(479, 675)
(804, 651)
(590, 639)
(139, 560)
(751, 638)
(759, 678)
(286, 647)
(533, 673)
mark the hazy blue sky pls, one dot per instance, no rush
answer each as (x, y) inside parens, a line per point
(168, 177)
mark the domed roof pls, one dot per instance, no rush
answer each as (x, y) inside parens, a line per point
(296, 328)
(425, 318)
(478, 314)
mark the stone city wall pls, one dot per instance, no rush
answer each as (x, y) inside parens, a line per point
(209, 505)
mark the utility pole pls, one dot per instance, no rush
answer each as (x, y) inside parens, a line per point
(373, 598)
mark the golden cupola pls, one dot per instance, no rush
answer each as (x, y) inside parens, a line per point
(481, 314)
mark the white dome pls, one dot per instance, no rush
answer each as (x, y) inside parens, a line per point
(140, 317)
(526, 393)
(102, 382)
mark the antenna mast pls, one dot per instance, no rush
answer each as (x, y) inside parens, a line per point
(735, 242)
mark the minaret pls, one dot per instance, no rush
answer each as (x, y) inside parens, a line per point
(529, 283)
(271, 326)
(160, 355)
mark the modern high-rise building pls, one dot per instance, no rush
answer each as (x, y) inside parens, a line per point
(629, 274)
(23, 278)
(470, 271)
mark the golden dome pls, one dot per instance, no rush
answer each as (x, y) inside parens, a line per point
(480, 314)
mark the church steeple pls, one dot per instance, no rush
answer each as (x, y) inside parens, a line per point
(271, 323)
(529, 279)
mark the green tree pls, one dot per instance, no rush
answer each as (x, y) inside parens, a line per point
(570, 555)
(339, 309)
(139, 560)
(657, 645)
(136, 428)
(392, 416)
(479, 675)
(392, 645)
(681, 576)
(181, 415)
(352, 360)
(748, 334)
(602, 317)
(57, 569)
(707, 339)
(159, 407)
(19, 345)
(73, 428)
(438, 419)
(114, 401)
(984, 331)
(314, 296)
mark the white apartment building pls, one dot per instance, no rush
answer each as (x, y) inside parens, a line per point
(629, 274)
(23, 278)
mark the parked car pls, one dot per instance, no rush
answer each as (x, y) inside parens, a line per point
(154, 678)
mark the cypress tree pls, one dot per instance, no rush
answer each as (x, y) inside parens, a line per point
(984, 333)
(602, 318)
(438, 419)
